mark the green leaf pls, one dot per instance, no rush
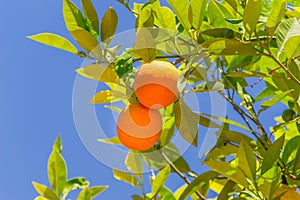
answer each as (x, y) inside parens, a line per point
(232, 173)
(54, 40)
(296, 168)
(57, 146)
(227, 189)
(160, 179)
(181, 8)
(40, 198)
(84, 195)
(166, 194)
(167, 130)
(218, 13)
(96, 190)
(145, 18)
(124, 176)
(134, 163)
(98, 73)
(209, 86)
(145, 44)
(232, 47)
(199, 182)
(75, 184)
(265, 105)
(86, 41)
(269, 182)
(57, 172)
(203, 121)
(109, 24)
(45, 191)
(222, 152)
(251, 15)
(198, 8)
(186, 122)
(286, 30)
(291, 147)
(291, 47)
(267, 92)
(274, 150)
(113, 140)
(276, 14)
(247, 161)
(72, 16)
(91, 16)
(164, 17)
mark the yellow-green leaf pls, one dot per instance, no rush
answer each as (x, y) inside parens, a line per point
(84, 194)
(72, 16)
(134, 163)
(87, 41)
(251, 15)
(113, 140)
(45, 191)
(160, 179)
(198, 7)
(186, 122)
(276, 14)
(164, 17)
(126, 177)
(292, 47)
(54, 40)
(106, 96)
(232, 173)
(145, 44)
(91, 14)
(96, 190)
(181, 8)
(99, 73)
(247, 161)
(109, 24)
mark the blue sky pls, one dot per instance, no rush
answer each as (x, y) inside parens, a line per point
(36, 84)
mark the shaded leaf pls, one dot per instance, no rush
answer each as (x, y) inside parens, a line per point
(266, 93)
(134, 163)
(98, 73)
(145, 44)
(45, 191)
(109, 24)
(269, 182)
(186, 122)
(227, 189)
(251, 14)
(222, 152)
(54, 40)
(247, 161)
(291, 147)
(86, 41)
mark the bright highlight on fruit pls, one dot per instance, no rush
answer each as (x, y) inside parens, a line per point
(155, 84)
(139, 127)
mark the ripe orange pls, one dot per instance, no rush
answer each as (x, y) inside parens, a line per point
(139, 127)
(155, 84)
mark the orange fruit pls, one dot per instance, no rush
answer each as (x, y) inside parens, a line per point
(139, 127)
(155, 84)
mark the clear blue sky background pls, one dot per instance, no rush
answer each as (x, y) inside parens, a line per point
(36, 85)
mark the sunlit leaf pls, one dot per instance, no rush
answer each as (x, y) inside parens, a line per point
(269, 181)
(96, 190)
(84, 195)
(54, 40)
(45, 191)
(290, 149)
(222, 152)
(113, 140)
(186, 122)
(199, 182)
(266, 93)
(232, 173)
(164, 17)
(75, 184)
(166, 194)
(252, 14)
(126, 177)
(276, 14)
(109, 24)
(181, 8)
(291, 47)
(145, 18)
(198, 8)
(91, 17)
(106, 96)
(134, 163)
(227, 189)
(41, 198)
(160, 179)
(57, 172)
(72, 16)
(265, 105)
(98, 73)
(145, 44)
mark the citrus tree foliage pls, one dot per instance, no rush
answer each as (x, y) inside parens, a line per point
(60, 185)
(248, 40)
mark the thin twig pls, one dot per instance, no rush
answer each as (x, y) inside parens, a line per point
(177, 171)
